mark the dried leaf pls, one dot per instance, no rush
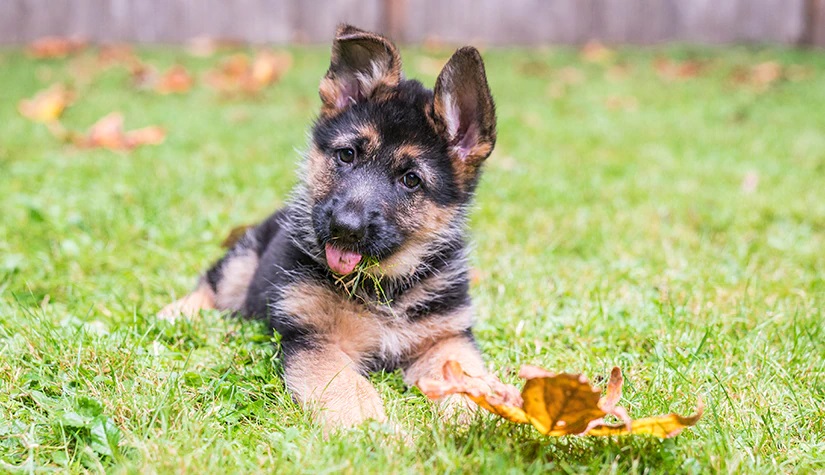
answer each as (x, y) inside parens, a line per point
(239, 74)
(596, 52)
(761, 76)
(672, 70)
(47, 105)
(108, 133)
(555, 404)
(55, 47)
(176, 80)
(235, 235)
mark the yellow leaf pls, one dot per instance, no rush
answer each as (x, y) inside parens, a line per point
(47, 105)
(664, 427)
(555, 404)
(561, 404)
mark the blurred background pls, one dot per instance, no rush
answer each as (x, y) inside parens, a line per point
(517, 22)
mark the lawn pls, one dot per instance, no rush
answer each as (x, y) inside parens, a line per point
(662, 210)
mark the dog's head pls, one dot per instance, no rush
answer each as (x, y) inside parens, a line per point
(392, 165)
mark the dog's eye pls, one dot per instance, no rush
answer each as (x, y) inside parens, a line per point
(411, 180)
(346, 155)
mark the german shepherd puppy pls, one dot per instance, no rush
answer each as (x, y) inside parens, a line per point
(365, 268)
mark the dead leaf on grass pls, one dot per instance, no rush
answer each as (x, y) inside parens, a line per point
(176, 80)
(48, 105)
(240, 74)
(673, 70)
(108, 133)
(555, 404)
(594, 51)
(760, 76)
(55, 47)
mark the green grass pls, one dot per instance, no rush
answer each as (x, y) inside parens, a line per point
(611, 228)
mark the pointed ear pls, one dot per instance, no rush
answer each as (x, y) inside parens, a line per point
(464, 110)
(363, 67)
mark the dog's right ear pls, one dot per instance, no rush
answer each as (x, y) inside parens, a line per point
(363, 67)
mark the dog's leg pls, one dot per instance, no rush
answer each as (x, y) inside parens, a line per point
(224, 286)
(202, 298)
(326, 381)
(430, 364)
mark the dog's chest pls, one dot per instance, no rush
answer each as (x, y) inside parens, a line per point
(365, 332)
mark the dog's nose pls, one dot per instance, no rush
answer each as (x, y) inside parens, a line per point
(347, 226)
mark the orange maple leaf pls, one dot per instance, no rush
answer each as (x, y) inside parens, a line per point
(108, 133)
(240, 74)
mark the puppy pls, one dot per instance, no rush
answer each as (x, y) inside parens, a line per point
(365, 268)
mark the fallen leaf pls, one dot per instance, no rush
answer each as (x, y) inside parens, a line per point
(117, 54)
(235, 235)
(595, 52)
(48, 105)
(176, 80)
(108, 133)
(760, 76)
(672, 70)
(55, 47)
(240, 74)
(555, 404)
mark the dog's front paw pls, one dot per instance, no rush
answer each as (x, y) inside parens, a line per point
(189, 306)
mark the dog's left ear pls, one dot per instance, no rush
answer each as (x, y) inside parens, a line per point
(464, 109)
(363, 66)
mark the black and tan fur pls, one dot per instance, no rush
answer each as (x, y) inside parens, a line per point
(416, 313)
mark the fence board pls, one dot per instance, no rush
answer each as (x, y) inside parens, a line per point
(456, 21)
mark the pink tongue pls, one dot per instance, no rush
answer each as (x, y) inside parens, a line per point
(340, 261)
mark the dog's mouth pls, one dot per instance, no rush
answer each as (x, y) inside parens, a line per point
(341, 261)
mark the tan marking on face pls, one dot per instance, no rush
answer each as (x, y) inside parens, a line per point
(237, 274)
(358, 332)
(319, 177)
(408, 151)
(326, 382)
(202, 298)
(371, 136)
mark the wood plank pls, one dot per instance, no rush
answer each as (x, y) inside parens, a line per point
(527, 22)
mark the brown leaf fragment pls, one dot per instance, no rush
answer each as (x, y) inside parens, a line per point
(235, 235)
(177, 80)
(673, 70)
(48, 105)
(594, 51)
(760, 76)
(108, 133)
(240, 74)
(55, 47)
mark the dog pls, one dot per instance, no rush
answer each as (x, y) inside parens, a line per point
(365, 268)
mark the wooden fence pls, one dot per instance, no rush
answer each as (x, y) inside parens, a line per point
(527, 22)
